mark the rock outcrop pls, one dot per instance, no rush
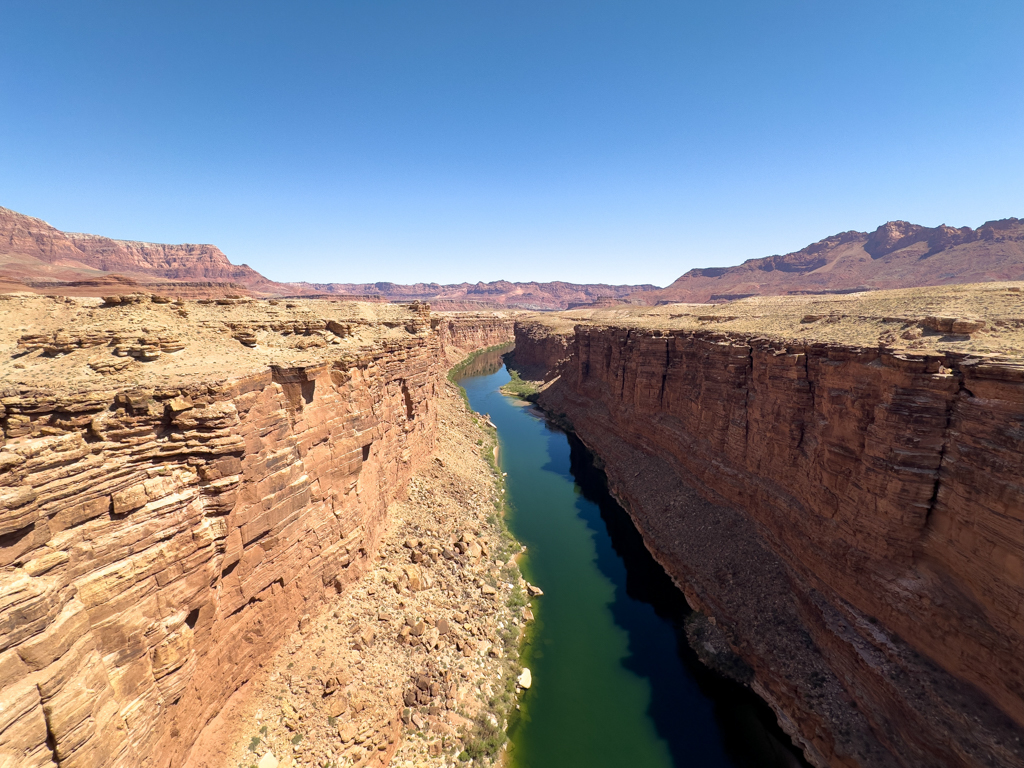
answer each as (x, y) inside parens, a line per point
(36, 251)
(185, 262)
(158, 541)
(851, 519)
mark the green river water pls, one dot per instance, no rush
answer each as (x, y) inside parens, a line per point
(614, 681)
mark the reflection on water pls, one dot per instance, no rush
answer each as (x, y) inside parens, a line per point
(750, 734)
(487, 362)
(615, 683)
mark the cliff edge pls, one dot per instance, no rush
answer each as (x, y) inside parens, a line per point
(836, 485)
(180, 483)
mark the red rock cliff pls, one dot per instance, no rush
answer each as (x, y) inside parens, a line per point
(156, 544)
(852, 519)
(31, 238)
(175, 262)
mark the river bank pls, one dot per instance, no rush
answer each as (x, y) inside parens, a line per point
(416, 662)
(829, 483)
(614, 680)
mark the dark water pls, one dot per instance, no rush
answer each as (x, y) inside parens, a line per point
(614, 681)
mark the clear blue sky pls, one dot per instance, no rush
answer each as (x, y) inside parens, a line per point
(509, 139)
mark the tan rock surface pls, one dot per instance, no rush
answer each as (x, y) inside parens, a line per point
(985, 319)
(166, 523)
(845, 502)
(401, 665)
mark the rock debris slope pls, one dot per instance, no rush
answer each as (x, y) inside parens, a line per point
(407, 664)
(837, 486)
(179, 484)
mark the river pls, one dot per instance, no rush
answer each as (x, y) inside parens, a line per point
(614, 681)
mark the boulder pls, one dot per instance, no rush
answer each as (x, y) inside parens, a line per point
(525, 678)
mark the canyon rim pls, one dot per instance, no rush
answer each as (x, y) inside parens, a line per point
(835, 484)
(198, 494)
(512, 385)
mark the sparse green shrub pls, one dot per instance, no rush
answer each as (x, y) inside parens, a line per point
(485, 740)
(527, 390)
(518, 597)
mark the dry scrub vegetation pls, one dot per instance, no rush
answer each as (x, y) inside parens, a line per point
(984, 319)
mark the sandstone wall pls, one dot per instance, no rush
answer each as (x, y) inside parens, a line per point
(461, 334)
(156, 545)
(853, 520)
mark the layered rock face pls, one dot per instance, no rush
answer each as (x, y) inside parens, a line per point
(175, 262)
(471, 332)
(67, 255)
(157, 543)
(851, 518)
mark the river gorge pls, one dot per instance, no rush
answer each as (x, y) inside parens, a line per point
(614, 679)
(187, 488)
(848, 520)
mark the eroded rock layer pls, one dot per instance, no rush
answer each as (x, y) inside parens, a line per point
(852, 519)
(157, 543)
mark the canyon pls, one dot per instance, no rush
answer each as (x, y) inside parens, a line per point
(835, 485)
(180, 484)
(193, 473)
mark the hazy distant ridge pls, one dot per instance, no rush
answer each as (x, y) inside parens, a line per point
(896, 255)
(38, 257)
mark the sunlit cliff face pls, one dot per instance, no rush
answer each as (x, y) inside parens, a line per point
(840, 511)
(163, 532)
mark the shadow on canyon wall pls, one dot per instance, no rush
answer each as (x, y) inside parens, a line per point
(751, 735)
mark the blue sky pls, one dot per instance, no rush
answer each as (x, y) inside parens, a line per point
(426, 140)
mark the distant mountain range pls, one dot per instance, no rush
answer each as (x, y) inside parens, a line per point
(896, 255)
(37, 257)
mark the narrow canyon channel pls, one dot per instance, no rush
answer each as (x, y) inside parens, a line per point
(614, 681)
